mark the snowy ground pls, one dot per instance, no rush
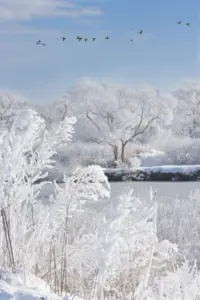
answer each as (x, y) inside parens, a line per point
(21, 285)
(172, 168)
(24, 286)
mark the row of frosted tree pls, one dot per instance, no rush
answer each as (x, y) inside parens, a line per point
(118, 123)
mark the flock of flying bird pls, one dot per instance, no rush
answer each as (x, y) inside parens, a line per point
(79, 38)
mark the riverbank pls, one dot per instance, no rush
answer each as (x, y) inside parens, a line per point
(155, 173)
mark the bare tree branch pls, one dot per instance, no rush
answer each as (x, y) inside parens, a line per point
(93, 122)
(142, 131)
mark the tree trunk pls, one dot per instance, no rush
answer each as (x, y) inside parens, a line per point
(115, 152)
(123, 152)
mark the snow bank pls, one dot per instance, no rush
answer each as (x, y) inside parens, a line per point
(164, 169)
(23, 286)
(167, 172)
(185, 169)
(125, 173)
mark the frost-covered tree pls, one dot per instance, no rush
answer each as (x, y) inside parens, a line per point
(56, 112)
(10, 105)
(117, 115)
(187, 119)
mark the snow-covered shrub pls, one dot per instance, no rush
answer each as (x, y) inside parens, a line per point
(183, 283)
(114, 250)
(83, 154)
(172, 149)
(22, 218)
(70, 222)
(179, 222)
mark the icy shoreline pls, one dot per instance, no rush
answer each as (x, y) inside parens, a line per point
(155, 173)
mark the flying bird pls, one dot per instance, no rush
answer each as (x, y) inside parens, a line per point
(107, 38)
(79, 38)
(93, 39)
(179, 22)
(188, 24)
(140, 32)
(86, 39)
(63, 38)
(40, 43)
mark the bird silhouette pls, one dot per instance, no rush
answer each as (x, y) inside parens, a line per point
(188, 24)
(86, 39)
(40, 43)
(140, 32)
(107, 38)
(179, 22)
(63, 38)
(93, 39)
(79, 38)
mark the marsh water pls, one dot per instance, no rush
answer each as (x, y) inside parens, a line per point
(165, 190)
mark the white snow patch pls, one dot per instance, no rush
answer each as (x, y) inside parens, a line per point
(172, 168)
(162, 169)
(22, 285)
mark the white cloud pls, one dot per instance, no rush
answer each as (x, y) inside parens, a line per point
(24, 10)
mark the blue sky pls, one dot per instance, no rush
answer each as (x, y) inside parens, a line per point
(167, 54)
